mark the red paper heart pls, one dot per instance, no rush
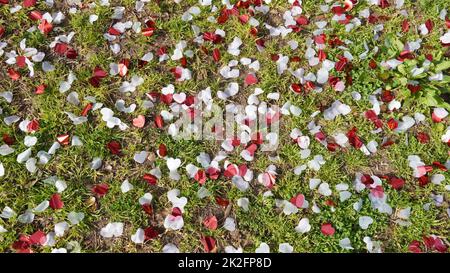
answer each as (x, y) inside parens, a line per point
(327, 229)
(210, 222)
(251, 79)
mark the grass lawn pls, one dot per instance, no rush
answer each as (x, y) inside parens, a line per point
(90, 92)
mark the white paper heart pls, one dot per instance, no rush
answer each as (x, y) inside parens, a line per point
(170, 248)
(173, 222)
(285, 248)
(41, 207)
(114, 229)
(140, 157)
(324, 189)
(365, 222)
(146, 199)
(24, 156)
(60, 228)
(345, 244)
(7, 213)
(173, 163)
(229, 224)
(26, 218)
(263, 248)
(138, 236)
(126, 186)
(303, 226)
(75, 217)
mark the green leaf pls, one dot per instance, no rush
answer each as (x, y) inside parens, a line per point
(404, 92)
(384, 75)
(403, 81)
(401, 69)
(443, 66)
(420, 76)
(444, 81)
(398, 44)
(433, 99)
(429, 100)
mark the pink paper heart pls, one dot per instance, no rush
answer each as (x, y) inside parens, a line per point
(139, 122)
